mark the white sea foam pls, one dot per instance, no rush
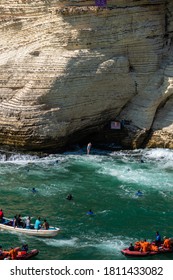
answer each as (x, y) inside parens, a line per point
(154, 155)
(24, 159)
(113, 245)
(106, 243)
(61, 242)
(147, 176)
(159, 154)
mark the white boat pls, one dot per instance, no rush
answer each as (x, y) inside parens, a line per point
(8, 225)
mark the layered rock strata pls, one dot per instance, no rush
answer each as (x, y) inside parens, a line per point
(68, 68)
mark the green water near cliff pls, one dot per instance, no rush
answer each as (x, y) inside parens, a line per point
(105, 182)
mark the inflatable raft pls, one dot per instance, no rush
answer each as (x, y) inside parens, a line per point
(137, 253)
(21, 255)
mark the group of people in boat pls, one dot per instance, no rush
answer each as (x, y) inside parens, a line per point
(146, 246)
(19, 222)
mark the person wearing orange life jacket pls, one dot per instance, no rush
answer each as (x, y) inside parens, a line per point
(141, 242)
(154, 248)
(13, 253)
(23, 251)
(137, 246)
(167, 242)
(145, 246)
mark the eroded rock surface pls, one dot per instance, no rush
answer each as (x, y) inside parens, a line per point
(69, 67)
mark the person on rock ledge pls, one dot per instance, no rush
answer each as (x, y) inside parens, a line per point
(89, 148)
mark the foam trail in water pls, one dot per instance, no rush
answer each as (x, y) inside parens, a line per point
(61, 242)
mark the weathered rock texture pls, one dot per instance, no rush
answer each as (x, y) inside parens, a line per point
(68, 67)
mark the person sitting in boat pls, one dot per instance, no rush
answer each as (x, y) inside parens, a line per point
(37, 224)
(158, 239)
(25, 248)
(1, 216)
(19, 221)
(154, 248)
(28, 222)
(131, 247)
(145, 246)
(13, 253)
(167, 242)
(14, 223)
(137, 245)
(45, 225)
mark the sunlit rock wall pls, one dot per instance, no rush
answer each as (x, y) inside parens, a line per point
(68, 67)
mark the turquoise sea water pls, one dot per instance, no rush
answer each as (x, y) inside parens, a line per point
(105, 182)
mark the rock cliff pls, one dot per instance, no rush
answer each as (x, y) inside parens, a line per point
(68, 67)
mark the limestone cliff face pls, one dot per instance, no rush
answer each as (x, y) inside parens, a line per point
(68, 67)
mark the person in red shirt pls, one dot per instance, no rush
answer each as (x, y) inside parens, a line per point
(1, 216)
